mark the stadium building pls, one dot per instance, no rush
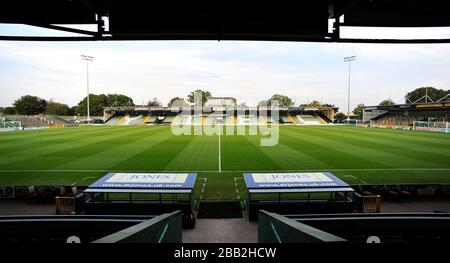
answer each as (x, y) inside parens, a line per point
(232, 115)
(406, 116)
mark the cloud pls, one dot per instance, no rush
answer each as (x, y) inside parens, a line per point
(249, 71)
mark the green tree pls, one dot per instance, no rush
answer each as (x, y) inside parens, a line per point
(313, 104)
(204, 96)
(283, 101)
(55, 108)
(359, 110)
(340, 116)
(96, 104)
(418, 94)
(119, 100)
(154, 103)
(72, 111)
(8, 110)
(177, 102)
(30, 105)
(386, 102)
(263, 103)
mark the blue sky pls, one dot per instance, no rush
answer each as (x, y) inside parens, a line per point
(248, 71)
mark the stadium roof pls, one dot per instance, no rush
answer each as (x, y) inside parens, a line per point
(421, 106)
(280, 21)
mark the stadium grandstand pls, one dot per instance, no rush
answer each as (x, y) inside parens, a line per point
(404, 116)
(145, 115)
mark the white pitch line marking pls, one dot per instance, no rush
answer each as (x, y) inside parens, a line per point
(88, 177)
(233, 171)
(220, 154)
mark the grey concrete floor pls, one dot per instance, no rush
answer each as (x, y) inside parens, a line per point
(22, 207)
(417, 205)
(234, 230)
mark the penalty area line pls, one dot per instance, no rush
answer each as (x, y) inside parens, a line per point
(88, 177)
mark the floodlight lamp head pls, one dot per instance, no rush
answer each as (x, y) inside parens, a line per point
(89, 58)
(348, 59)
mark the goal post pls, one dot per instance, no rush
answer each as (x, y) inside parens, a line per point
(433, 126)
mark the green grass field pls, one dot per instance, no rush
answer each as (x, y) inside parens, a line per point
(357, 155)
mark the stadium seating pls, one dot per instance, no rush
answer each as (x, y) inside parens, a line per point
(198, 120)
(169, 119)
(247, 119)
(310, 120)
(286, 119)
(399, 118)
(152, 119)
(133, 120)
(187, 119)
(231, 120)
(275, 119)
(113, 120)
(146, 120)
(292, 119)
(120, 120)
(240, 119)
(262, 119)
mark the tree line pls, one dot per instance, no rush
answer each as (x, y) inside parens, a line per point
(32, 105)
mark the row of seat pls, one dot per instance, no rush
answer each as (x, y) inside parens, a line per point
(239, 119)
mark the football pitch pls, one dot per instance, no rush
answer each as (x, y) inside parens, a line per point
(80, 155)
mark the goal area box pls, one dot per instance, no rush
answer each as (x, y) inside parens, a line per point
(297, 193)
(142, 194)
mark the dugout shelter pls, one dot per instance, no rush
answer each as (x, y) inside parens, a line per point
(297, 193)
(142, 194)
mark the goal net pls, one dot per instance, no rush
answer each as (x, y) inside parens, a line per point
(433, 126)
(350, 122)
(6, 125)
